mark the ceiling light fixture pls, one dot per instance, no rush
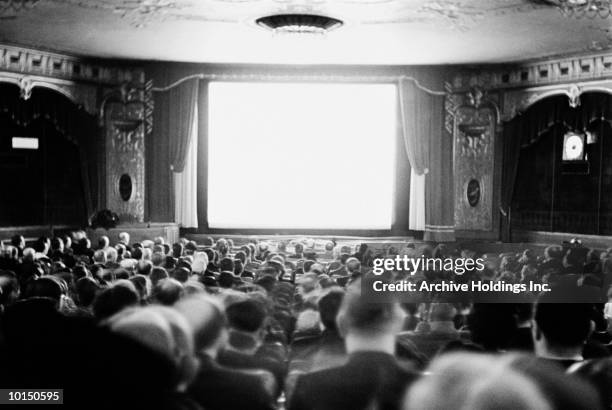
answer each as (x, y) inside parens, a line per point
(299, 23)
(591, 9)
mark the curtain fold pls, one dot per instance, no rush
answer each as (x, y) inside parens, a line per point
(511, 146)
(417, 202)
(416, 122)
(181, 113)
(186, 183)
(429, 151)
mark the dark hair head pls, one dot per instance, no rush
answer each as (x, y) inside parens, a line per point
(114, 299)
(45, 286)
(137, 253)
(158, 274)
(563, 324)
(86, 290)
(241, 256)
(177, 250)
(226, 279)
(226, 264)
(181, 274)
(329, 305)
(238, 267)
(246, 316)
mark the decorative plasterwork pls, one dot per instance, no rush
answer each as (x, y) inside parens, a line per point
(475, 120)
(36, 63)
(538, 73)
(456, 14)
(81, 94)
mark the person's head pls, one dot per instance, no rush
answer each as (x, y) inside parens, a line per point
(103, 242)
(158, 274)
(99, 256)
(45, 286)
(353, 266)
(137, 253)
(560, 329)
(226, 279)
(207, 319)
(177, 250)
(143, 286)
(168, 291)
(247, 316)
(164, 331)
(238, 267)
(144, 267)
(476, 382)
(181, 274)
(329, 305)
(241, 256)
(124, 238)
(442, 312)
(299, 249)
(200, 262)
(226, 265)
(86, 290)
(120, 295)
(9, 288)
(111, 255)
(57, 244)
(42, 245)
(222, 246)
(18, 241)
(363, 323)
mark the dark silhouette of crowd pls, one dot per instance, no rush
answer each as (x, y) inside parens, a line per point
(221, 326)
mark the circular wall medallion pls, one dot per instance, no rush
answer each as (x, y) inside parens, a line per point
(472, 192)
(125, 187)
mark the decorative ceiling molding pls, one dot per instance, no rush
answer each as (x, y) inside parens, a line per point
(537, 73)
(41, 63)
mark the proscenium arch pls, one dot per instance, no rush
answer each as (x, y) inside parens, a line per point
(571, 91)
(68, 89)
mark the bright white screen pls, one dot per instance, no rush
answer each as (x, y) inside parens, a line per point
(301, 155)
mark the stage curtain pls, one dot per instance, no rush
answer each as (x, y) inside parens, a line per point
(511, 145)
(181, 114)
(416, 124)
(186, 183)
(417, 202)
(430, 156)
(439, 187)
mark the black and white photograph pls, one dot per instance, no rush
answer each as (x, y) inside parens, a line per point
(306, 204)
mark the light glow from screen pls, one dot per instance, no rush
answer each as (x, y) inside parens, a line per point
(301, 155)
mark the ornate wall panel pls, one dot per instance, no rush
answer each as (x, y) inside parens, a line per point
(124, 113)
(474, 132)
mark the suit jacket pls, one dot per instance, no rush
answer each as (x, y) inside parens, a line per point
(367, 379)
(218, 387)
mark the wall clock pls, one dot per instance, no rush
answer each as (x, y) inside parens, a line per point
(573, 147)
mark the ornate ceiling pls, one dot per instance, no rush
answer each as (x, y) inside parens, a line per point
(376, 31)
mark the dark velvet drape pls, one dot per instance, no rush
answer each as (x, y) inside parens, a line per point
(429, 151)
(439, 192)
(526, 129)
(72, 122)
(166, 149)
(180, 115)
